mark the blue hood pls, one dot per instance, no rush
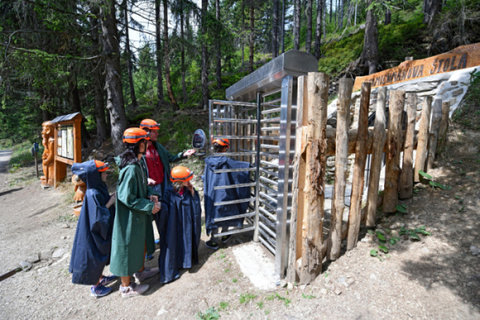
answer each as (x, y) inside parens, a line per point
(87, 171)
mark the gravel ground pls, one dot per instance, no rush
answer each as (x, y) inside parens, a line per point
(435, 277)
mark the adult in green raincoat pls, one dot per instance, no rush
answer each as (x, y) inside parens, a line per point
(157, 160)
(134, 208)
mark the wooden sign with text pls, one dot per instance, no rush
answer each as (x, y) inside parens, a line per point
(462, 57)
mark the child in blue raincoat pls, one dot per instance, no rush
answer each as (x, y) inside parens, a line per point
(93, 237)
(180, 238)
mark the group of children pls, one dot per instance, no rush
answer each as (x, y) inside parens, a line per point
(118, 230)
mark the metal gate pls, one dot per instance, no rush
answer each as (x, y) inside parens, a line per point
(260, 133)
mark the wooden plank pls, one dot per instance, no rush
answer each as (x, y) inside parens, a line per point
(406, 176)
(459, 58)
(354, 216)
(341, 167)
(442, 132)
(313, 245)
(422, 137)
(295, 244)
(377, 156)
(394, 141)
(434, 128)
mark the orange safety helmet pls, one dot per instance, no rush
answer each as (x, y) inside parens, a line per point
(101, 166)
(149, 124)
(133, 135)
(221, 142)
(181, 174)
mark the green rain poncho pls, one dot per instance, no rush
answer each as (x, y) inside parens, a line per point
(132, 228)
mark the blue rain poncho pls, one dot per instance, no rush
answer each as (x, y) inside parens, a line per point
(180, 235)
(212, 179)
(93, 237)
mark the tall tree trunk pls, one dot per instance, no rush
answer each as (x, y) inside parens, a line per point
(282, 29)
(350, 12)
(219, 47)
(388, 16)
(182, 53)
(166, 57)
(355, 16)
(275, 27)
(324, 18)
(370, 42)
(242, 9)
(430, 10)
(340, 13)
(331, 5)
(318, 29)
(335, 16)
(296, 25)
(309, 13)
(113, 80)
(129, 56)
(204, 55)
(158, 54)
(252, 35)
(74, 100)
(98, 83)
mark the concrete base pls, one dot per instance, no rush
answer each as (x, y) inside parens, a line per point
(257, 265)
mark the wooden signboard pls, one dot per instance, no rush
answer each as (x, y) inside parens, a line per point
(462, 57)
(68, 147)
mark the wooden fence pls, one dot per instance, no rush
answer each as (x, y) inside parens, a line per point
(316, 237)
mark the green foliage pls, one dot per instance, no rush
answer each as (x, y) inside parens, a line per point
(338, 55)
(210, 314)
(247, 297)
(223, 305)
(6, 143)
(414, 234)
(277, 296)
(401, 208)
(308, 296)
(399, 40)
(386, 242)
(431, 182)
(22, 156)
(468, 114)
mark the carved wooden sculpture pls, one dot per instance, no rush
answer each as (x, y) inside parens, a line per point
(48, 155)
(80, 188)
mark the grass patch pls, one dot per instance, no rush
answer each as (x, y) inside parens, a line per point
(22, 156)
(247, 297)
(210, 314)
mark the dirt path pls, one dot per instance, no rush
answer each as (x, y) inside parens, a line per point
(437, 277)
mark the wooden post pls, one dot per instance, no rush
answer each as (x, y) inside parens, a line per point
(442, 132)
(354, 216)
(298, 186)
(377, 155)
(421, 154)
(406, 177)
(35, 156)
(313, 246)
(434, 128)
(394, 141)
(341, 166)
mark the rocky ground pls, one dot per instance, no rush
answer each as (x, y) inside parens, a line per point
(436, 276)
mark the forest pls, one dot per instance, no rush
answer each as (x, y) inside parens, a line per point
(119, 61)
